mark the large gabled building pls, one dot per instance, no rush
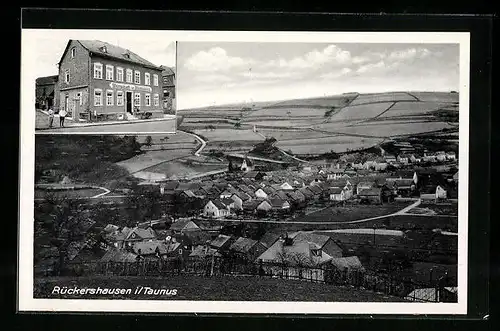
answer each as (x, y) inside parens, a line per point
(104, 81)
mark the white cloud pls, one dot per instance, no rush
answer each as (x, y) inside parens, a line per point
(212, 78)
(313, 59)
(269, 74)
(408, 54)
(371, 67)
(336, 74)
(215, 59)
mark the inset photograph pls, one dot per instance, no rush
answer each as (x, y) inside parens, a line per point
(110, 82)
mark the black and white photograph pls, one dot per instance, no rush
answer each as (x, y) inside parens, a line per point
(302, 173)
(105, 82)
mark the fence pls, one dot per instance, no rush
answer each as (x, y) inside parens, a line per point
(219, 266)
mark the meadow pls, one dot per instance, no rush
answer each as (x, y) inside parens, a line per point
(382, 97)
(229, 135)
(360, 112)
(413, 108)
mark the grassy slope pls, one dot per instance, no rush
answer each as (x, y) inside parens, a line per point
(218, 288)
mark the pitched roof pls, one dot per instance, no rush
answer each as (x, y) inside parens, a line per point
(220, 241)
(227, 201)
(115, 255)
(203, 251)
(298, 251)
(146, 247)
(47, 80)
(269, 238)
(310, 237)
(182, 223)
(219, 204)
(148, 233)
(116, 52)
(335, 190)
(404, 182)
(375, 191)
(277, 202)
(242, 245)
(170, 185)
(167, 71)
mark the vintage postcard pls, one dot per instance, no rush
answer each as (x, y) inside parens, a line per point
(305, 172)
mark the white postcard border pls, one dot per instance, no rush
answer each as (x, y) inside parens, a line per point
(26, 302)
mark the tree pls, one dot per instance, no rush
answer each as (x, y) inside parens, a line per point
(144, 206)
(237, 125)
(60, 218)
(148, 141)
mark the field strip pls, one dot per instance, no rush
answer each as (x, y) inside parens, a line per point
(400, 212)
(411, 95)
(374, 118)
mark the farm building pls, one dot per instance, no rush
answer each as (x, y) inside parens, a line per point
(260, 194)
(184, 226)
(221, 243)
(279, 204)
(371, 195)
(215, 209)
(246, 248)
(364, 186)
(102, 80)
(434, 193)
(337, 194)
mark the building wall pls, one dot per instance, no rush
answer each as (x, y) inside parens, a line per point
(168, 93)
(332, 249)
(77, 101)
(78, 67)
(143, 89)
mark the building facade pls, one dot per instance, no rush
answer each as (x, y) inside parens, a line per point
(101, 80)
(46, 92)
(168, 89)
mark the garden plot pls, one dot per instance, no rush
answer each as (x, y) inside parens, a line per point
(384, 129)
(413, 108)
(293, 134)
(230, 135)
(321, 102)
(286, 112)
(382, 97)
(437, 96)
(151, 158)
(337, 144)
(361, 112)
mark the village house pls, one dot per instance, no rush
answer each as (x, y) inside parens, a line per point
(216, 209)
(260, 194)
(168, 89)
(403, 174)
(405, 187)
(371, 195)
(364, 186)
(298, 250)
(434, 192)
(246, 249)
(99, 79)
(429, 157)
(279, 204)
(269, 238)
(46, 92)
(451, 156)
(389, 158)
(307, 193)
(337, 194)
(246, 165)
(255, 175)
(335, 173)
(403, 158)
(441, 156)
(221, 243)
(286, 186)
(263, 206)
(201, 252)
(415, 158)
(184, 227)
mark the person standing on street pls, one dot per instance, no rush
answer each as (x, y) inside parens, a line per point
(51, 117)
(62, 115)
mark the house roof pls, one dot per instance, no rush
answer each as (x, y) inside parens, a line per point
(146, 247)
(375, 191)
(148, 233)
(219, 204)
(315, 189)
(202, 251)
(111, 228)
(350, 262)
(182, 223)
(220, 241)
(404, 182)
(115, 52)
(306, 192)
(269, 238)
(277, 202)
(310, 237)
(227, 201)
(252, 174)
(47, 80)
(170, 185)
(366, 184)
(167, 71)
(335, 190)
(297, 252)
(242, 245)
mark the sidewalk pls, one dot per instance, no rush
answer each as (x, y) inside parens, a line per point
(72, 124)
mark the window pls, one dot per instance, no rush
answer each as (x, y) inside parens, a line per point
(97, 97)
(147, 78)
(148, 99)
(166, 93)
(155, 80)
(109, 72)
(73, 52)
(180, 251)
(137, 77)
(119, 98)
(109, 98)
(66, 76)
(137, 99)
(156, 100)
(98, 70)
(129, 75)
(316, 252)
(119, 74)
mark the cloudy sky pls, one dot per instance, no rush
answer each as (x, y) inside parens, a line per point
(228, 72)
(48, 46)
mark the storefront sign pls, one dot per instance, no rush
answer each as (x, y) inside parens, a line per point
(130, 87)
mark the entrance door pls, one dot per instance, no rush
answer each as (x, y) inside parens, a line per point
(67, 107)
(129, 102)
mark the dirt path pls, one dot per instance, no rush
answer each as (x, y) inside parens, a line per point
(203, 142)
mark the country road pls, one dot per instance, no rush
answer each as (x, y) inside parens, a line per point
(203, 142)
